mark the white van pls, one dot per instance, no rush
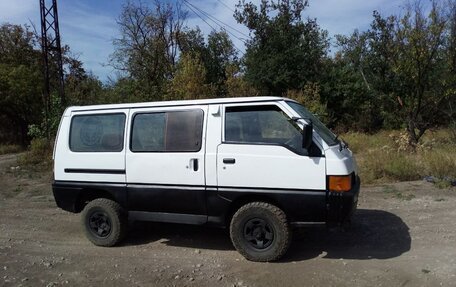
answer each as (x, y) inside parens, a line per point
(257, 165)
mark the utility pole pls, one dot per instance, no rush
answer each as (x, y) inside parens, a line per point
(52, 54)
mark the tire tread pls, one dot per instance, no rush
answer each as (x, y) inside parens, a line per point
(284, 226)
(119, 233)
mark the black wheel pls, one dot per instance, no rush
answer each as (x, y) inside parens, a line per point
(104, 221)
(260, 232)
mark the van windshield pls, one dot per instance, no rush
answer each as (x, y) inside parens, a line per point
(326, 134)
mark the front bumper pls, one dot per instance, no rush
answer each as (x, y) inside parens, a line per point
(341, 206)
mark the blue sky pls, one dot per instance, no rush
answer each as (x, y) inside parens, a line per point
(89, 26)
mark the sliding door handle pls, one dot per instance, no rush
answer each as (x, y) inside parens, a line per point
(229, 160)
(195, 164)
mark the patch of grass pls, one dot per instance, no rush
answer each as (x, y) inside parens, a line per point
(384, 165)
(407, 197)
(390, 189)
(443, 184)
(401, 167)
(441, 136)
(440, 162)
(10, 148)
(393, 192)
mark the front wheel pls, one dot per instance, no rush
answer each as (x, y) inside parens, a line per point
(260, 232)
(104, 222)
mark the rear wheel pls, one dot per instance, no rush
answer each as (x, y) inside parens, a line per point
(260, 232)
(104, 221)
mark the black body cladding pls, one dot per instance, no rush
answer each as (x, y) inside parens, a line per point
(191, 204)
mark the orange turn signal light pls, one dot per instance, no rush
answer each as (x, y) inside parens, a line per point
(340, 183)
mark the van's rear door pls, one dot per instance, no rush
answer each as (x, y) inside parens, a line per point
(165, 160)
(91, 147)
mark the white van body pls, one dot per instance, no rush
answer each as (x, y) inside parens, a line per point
(200, 161)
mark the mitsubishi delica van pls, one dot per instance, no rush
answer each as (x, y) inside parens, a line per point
(257, 166)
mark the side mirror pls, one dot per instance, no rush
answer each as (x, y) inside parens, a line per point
(307, 136)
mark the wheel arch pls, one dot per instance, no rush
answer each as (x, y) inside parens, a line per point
(245, 199)
(88, 194)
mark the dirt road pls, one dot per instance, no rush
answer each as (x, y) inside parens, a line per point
(403, 234)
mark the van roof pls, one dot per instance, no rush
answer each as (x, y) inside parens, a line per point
(69, 110)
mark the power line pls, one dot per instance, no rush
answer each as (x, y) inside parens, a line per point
(189, 5)
(229, 8)
(199, 16)
(185, 2)
(217, 22)
(224, 24)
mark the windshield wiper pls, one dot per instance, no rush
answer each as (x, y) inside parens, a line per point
(295, 119)
(342, 144)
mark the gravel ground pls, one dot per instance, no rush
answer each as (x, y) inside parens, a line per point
(403, 234)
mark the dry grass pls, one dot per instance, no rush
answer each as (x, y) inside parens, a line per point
(10, 148)
(380, 158)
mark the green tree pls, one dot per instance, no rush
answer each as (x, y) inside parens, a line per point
(189, 80)
(415, 54)
(191, 41)
(20, 81)
(349, 102)
(285, 51)
(405, 64)
(216, 55)
(357, 81)
(123, 90)
(236, 85)
(449, 107)
(419, 64)
(221, 54)
(147, 50)
(82, 88)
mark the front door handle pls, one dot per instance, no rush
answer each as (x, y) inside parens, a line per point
(229, 160)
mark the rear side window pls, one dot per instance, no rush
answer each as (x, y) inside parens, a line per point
(174, 131)
(97, 133)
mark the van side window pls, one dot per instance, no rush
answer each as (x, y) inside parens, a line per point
(97, 133)
(261, 125)
(174, 131)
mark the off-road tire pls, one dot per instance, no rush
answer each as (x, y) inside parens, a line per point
(268, 215)
(113, 215)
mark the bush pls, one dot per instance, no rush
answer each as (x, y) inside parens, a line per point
(38, 153)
